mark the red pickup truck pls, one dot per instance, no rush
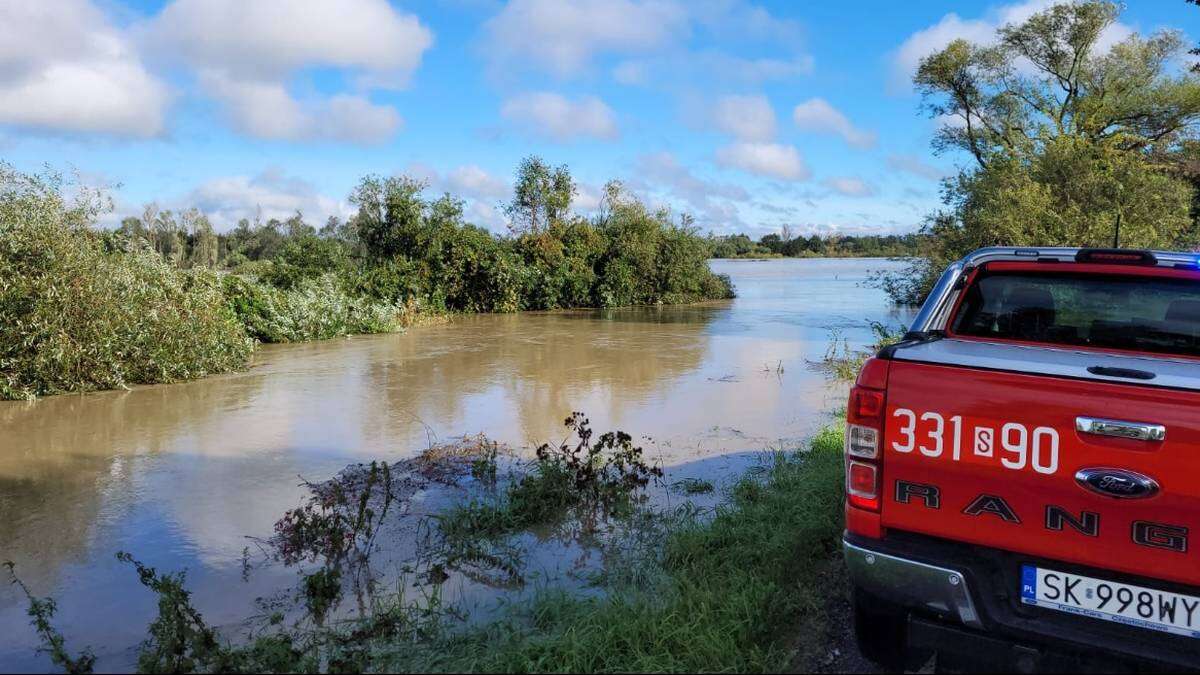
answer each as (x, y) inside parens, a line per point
(1023, 468)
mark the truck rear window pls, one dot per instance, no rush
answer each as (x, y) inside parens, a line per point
(1150, 314)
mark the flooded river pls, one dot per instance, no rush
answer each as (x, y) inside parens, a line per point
(181, 474)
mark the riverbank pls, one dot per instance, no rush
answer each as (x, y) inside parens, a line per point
(738, 587)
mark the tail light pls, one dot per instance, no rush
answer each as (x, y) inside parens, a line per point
(864, 436)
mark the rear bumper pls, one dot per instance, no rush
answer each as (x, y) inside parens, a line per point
(911, 583)
(962, 601)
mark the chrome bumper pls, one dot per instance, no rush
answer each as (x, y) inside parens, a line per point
(911, 583)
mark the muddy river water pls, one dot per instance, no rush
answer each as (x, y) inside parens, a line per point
(181, 474)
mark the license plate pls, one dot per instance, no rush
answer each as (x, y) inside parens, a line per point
(1111, 601)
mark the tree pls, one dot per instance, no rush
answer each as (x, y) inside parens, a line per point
(390, 215)
(1064, 140)
(205, 246)
(1195, 51)
(541, 197)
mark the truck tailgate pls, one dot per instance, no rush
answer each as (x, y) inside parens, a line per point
(991, 457)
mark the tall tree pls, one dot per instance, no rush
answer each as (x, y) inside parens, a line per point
(542, 196)
(1065, 140)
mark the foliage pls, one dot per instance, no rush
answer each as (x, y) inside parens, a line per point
(179, 640)
(592, 479)
(1066, 149)
(693, 486)
(341, 519)
(303, 258)
(649, 259)
(315, 309)
(41, 613)
(541, 197)
(83, 310)
(422, 249)
(841, 362)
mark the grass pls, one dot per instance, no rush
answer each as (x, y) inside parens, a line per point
(731, 594)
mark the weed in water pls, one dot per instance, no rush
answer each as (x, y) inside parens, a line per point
(692, 486)
(41, 612)
(593, 479)
(841, 362)
(180, 641)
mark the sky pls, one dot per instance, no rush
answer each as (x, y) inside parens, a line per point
(748, 116)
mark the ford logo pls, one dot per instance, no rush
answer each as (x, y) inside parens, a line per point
(1118, 483)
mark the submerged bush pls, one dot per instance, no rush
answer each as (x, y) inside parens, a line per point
(315, 309)
(83, 310)
(593, 478)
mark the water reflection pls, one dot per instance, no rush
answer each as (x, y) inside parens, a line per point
(180, 474)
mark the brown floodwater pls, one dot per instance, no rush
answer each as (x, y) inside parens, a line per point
(180, 475)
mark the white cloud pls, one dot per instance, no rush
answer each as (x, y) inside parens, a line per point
(270, 194)
(663, 168)
(915, 166)
(486, 214)
(754, 71)
(587, 197)
(713, 203)
(482, 192)
(904, 60)
(64, 67)
(246, 53)
(555, 117)
(631, 73)
(747, 118)
(270, 39)
(711, 66)
(474, 182)
(818, 116)
(566, 37)
(744, 22)
(468, 180)
(771, 160)
(562, 37)
(850, 186)
(266, 110)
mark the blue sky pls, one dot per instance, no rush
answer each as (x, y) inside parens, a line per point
(747, 115)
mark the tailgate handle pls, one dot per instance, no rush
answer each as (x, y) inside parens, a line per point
(1138, 431)
(1127, 373)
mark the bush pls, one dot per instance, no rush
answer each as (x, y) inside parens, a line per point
(650, 260)
(316, 309)
(303, 258)
(81, 310)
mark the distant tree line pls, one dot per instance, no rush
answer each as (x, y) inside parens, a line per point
(816, 246)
